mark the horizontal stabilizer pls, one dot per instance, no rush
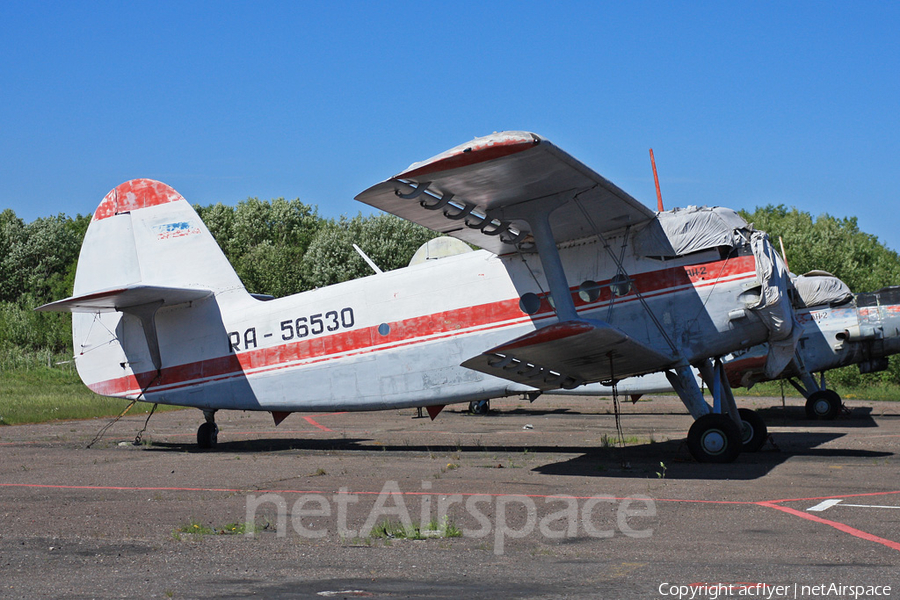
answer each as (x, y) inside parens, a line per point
(569, 354)
(122, 298)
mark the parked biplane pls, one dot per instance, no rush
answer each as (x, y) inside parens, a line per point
(836, 329)
(576, 282)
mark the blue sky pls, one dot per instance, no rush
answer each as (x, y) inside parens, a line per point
(744, 103)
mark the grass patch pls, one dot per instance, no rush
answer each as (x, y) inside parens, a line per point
(876, 390)
(238, 529)
(433, 529)
(195, 528)
(42, 393)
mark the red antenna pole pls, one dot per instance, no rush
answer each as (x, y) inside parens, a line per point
(659, 204)
(783, 254)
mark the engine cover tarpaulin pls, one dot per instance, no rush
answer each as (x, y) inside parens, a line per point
(817, 289)
(686, 230)
(774, 306)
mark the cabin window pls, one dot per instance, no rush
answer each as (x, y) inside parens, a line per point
(529, 303)
(589, 291)
(620, 284)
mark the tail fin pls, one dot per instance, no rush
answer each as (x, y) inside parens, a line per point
(144, 249)
(144, 232)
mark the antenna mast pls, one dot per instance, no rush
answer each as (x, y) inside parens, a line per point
(659, 204)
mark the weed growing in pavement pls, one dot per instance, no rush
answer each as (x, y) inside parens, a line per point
(661, 474)
(195, 528)
(395, 530)
(192, 528)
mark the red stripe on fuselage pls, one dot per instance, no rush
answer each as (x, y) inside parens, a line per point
(415, 330)
(313, 350)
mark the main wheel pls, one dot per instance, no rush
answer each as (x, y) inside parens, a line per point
(480, 407)
(823, 405)
(208, 436)
(714, 438)
(753, 430)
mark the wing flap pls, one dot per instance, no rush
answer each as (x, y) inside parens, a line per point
(120, 299)
(570, 354)
(471, 192)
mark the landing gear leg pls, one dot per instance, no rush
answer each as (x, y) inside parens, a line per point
(715, 435)
(208, 433)
(821, 403)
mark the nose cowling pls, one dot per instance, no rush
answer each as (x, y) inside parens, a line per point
(879, 327)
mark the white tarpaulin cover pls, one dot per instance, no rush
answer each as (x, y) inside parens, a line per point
(685, 230)
(774, 307)
(816, 290)
(692, 229)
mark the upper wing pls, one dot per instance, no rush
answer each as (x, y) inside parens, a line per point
(568, 354)
(471, 192)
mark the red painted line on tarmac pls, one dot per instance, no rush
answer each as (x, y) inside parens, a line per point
(312, 422)
(117, 488)
(839, 526)
(687, 501)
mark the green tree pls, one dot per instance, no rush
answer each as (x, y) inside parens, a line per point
(219, 219)
(839, 247)
(39, 257)
(12, 236)
(829, 244)
(265, 241)
(388, 240)
(37, 265)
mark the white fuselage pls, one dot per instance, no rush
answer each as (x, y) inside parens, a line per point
(397, 339)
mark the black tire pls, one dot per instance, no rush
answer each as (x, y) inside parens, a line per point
(208, 436)
(480, 407)
(824, 405)
(714, 439)
(753, 430)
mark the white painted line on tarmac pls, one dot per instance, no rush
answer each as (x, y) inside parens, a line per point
(825, 505)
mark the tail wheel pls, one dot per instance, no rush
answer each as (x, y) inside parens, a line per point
(208, 436)
(823, 405)
(753, 430)
(714, 438)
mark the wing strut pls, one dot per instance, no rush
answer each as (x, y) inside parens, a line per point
(147, 314)
(538, 217)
